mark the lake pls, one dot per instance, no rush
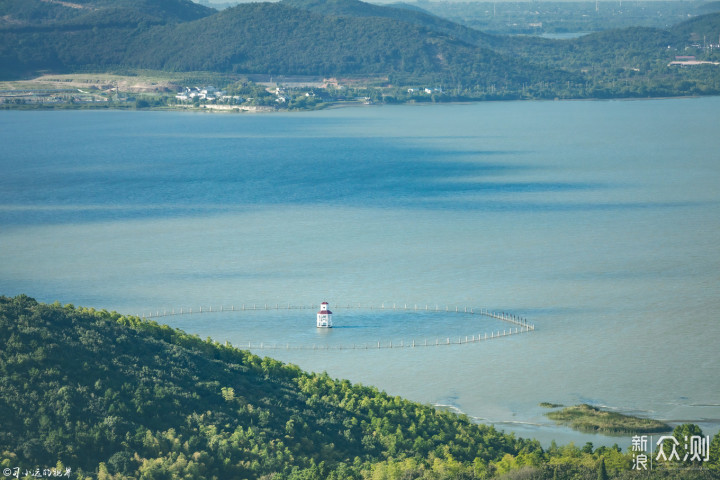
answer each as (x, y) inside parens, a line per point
(598, 221)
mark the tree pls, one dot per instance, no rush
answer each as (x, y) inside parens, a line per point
(714, 463)
(602, 472)
(684, 435)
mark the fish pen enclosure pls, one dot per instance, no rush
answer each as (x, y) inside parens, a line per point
(358, 326)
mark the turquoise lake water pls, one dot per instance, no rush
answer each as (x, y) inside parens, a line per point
(598, 221)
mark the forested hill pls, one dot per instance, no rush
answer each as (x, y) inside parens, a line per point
(106, 394)
(383, 45)
(33, 13)
(398, 12)
(275, 38)
(115, 397)
(705, 28)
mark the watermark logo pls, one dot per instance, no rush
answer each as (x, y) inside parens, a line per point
(36, 473)
(639, 447)
(646, 452)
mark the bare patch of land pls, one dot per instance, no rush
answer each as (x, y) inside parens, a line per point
(99, 81)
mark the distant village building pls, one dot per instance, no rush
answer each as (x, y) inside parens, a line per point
(324, 316)
(208, 93)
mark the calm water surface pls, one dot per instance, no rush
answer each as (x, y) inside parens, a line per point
(599, 221)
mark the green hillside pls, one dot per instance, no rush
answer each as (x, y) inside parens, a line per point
(704, 28)
(270, 38)
(116, 397)
(28, 13)
(398, 12)
(85, 388)
(386, 46)
(278, 39)
(40, 36)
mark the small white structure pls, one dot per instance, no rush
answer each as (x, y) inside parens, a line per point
(324, 316)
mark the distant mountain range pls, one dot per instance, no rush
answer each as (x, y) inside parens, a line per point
(330, 38)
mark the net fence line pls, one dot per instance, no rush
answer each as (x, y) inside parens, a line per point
(518, 324)
(446, 341)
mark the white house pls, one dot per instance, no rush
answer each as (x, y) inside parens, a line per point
(324, 316)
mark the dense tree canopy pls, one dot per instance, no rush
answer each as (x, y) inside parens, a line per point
(111, 396)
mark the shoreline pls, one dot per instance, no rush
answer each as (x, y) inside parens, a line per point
(263, 109)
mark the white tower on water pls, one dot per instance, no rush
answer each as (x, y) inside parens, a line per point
(324, 316)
